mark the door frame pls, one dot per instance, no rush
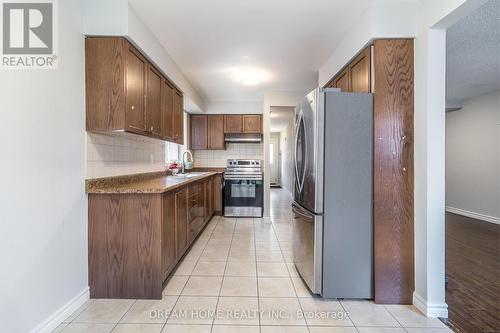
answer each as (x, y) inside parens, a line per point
(276, 137)
(429, 150)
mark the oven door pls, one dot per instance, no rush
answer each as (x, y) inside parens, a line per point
(243, 197)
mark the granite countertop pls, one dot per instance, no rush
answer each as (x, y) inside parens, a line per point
(156, 182)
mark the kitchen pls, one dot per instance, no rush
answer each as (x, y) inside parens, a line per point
(152, 187)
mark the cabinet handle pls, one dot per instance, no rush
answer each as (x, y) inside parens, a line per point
(133, 107)
(152, 128)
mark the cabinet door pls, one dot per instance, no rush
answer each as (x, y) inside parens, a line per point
(218, 193)
(233, 123)
(168, 249)
(342, 81)
(153, 103)
(136, 81)
(181, 222)
(202, 201)
(105, 72)
(330, 84)
(216, 132)
(208, 200)
(359, 72)
(178, 117)
(252, 123)
(167, 100)
(212, 196)
(198, 131)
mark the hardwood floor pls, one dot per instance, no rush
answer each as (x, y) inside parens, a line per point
(473, 271)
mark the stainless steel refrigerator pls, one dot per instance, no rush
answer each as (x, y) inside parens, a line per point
(333, 191)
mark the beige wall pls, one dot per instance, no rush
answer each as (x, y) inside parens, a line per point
(473, 157)
(124, 153)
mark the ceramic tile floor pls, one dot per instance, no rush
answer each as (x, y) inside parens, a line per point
(238, 277)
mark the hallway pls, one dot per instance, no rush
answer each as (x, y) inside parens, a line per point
(239, 277)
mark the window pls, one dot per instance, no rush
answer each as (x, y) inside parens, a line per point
(171, 151)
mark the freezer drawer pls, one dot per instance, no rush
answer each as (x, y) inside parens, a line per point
(307, 231)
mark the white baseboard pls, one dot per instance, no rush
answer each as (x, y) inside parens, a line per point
(431, 310)
(56, 319)
(267, 219)
(473, 215)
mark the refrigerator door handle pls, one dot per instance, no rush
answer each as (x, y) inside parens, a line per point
(300, 179)
(301, 211)
(305, 143)
(296, 167)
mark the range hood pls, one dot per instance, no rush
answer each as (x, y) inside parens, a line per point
(243, 138)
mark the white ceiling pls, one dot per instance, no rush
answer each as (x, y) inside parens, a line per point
(283, 42)
(281, 117)
(473, 54)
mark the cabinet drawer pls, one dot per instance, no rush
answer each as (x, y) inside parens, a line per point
(192, 201)
(192, 214)
(194, 228)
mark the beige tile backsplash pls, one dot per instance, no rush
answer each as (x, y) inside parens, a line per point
(123, 153)
(218, 158)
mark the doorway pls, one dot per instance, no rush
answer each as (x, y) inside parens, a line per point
(472, 220)
(282, 124)
(275, 159)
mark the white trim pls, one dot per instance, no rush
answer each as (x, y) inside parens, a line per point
(58, 317)
(473, 215)
(430, 310)
(267, 219)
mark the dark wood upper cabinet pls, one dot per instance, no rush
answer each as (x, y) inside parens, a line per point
(168, 248)
(178, 117)
(252, 123)
(167, 100)
(233, 123)
(135, 117)
(216, 131)
(356, 76)
(359, 72)
(343, 82)
(154, 103)
(125, 92)
(198, 131)
(207, 131)
(105, 61)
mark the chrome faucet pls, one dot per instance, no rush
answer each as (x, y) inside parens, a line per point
(184, 162)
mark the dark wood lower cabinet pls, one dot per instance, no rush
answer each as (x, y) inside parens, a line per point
(218, 194)
(168, 248)
(125, 246)
(136, 240)
(181, 220)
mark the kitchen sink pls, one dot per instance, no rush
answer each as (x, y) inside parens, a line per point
(189, 174)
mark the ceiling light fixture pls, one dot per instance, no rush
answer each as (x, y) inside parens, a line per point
(250, 81)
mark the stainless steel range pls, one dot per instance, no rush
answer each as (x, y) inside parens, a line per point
(243, 190)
